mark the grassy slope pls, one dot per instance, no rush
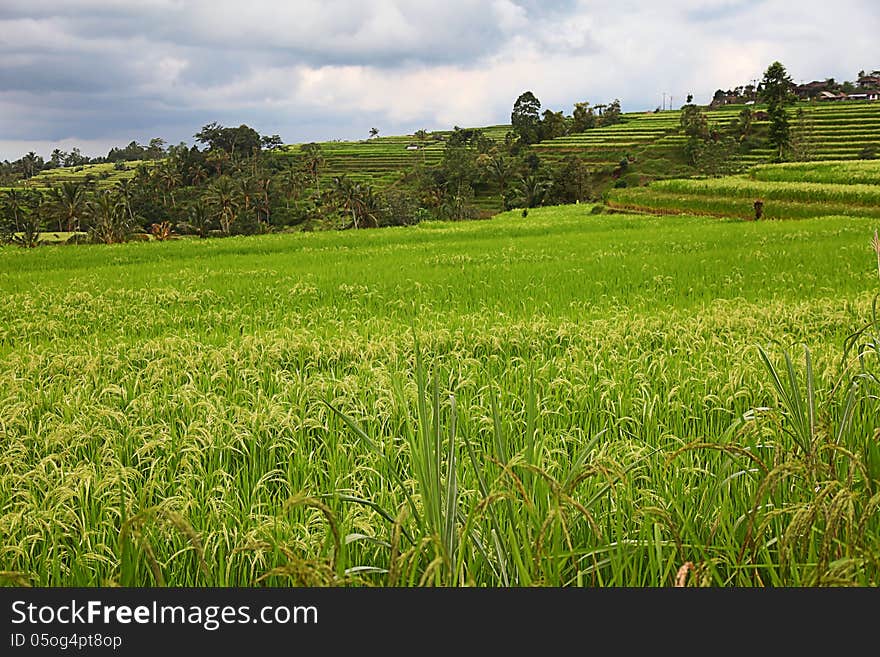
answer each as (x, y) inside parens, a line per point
(181, 383)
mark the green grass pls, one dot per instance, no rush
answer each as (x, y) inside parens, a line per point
(550, 400)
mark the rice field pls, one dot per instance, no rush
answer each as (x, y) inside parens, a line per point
(788, 191)
(566, 399)
(835, 173)
(838, 131)
(104, 175)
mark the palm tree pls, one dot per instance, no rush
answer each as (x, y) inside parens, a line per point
(374, 132)
(69, 205)
(500, 171)
(262, 200)
(14, 205)
(360, 201)
(110, 223)
(531, 190)
(245, 189)
(170, 179)
(57, 157)
(25, 212)
(370, 207)
(199, 219)
(346, 194)
(29, 164)
(314, 161)
(125, 189)
(221, 198)
(292, 184)
(197, 175)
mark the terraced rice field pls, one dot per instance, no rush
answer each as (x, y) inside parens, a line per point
(379, 161)
(839, 131)
(788, 191)
(103, 175)
(567, 399)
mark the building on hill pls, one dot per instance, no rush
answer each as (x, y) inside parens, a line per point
(865, 94)
(830, 96)
(721, 98)
(812, 89)
(871, 81)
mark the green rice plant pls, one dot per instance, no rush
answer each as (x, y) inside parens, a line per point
(513, 524)
(564, 358)
(840, 173)
(875, 245)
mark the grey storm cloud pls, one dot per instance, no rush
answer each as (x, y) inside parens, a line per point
(108, 71)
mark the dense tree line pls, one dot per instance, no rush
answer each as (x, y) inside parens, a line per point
(31, 164)
(531, 126)
(236, 181)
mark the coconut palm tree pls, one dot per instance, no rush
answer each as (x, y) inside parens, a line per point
(199, 219)
(13, 209)
(24, 217)
(359, 201)
(68, 203)
(292, 183)
(244, 186)
(197, 174)
(125, 188)
(110, 222)
(500, 171)
(29, 164)
(346, 193)
(314, 162)
(170, 180)
(262, 200)
(221, 198)
(531, 190)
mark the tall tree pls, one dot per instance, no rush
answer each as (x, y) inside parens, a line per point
(31, 164)
(553, 125)
(156, 149)
(500, 171)
(571, 182)
(314, 162)
(611, 115)
(271, 142)
(526, 118)
(126, 189)
(776, 91)
(221, 198)
(583, 118)
(237, 142)
(292, 184)
(57, 157)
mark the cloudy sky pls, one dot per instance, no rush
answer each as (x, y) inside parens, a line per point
(98, 73)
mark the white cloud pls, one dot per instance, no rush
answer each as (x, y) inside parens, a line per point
(319, 70)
